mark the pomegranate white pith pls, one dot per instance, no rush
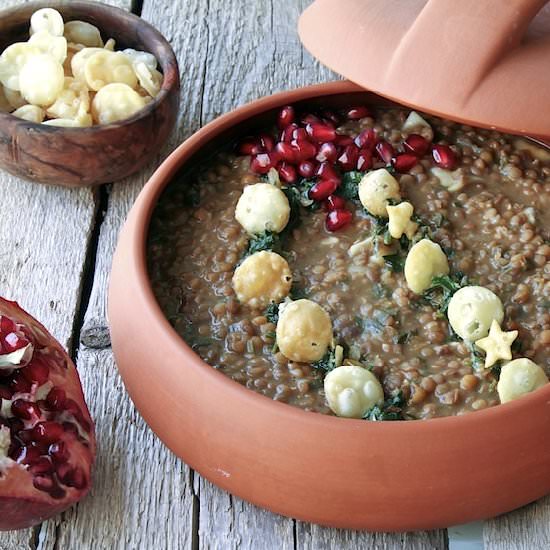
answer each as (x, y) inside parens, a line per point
(47, 442)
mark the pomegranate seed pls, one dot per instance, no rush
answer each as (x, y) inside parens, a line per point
(320, 132)
(444, 156)
(334, 202)
(330, 117)
(337, 219)
(417, 145)
(58, 452)
(310, 119)
(287, 135)
(326, 171)
(14, 341)
(341, 140)
(6, 325)
(307, 168)
(266, 141)
(304, 150)
(366, 139)
(286, 116)
(404, 162)
(323, 189)
(43, 483)
(56, 398)
(358, 112)
(327, 152)
(47, 432)
(385, 151)
(300, 134)
(348, 159)
(41, 466)
(262, 163)
(19, 384)
(287, 172)
(25, 409)
(28, 455)
(285, 151)
(249, 146)
(364, 160)
(37, 371)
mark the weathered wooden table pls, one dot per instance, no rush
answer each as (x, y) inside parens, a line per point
(55, 254)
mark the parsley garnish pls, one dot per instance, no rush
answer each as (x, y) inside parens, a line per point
(395, 262)
(391, 409)
(272, 313)
(349, 188)
(327, 362)
(443, 287)
(265, 241)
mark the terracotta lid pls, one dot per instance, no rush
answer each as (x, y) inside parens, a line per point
(485, 63)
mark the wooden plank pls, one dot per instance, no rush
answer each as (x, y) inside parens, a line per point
(142, 497)
(524, 529)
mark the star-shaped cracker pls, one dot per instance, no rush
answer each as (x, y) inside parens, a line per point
(497, 345)
(400, 220)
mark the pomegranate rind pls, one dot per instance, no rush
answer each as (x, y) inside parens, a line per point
(21, 504)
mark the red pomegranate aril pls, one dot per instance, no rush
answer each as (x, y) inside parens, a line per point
(323, 189)
(417, 145)
(304, 150)
(287, 135)
(341, 140)
(385, 151)
(348, 159)
(262, 163)
(56, 398)
(300, 134)
(42, 466)
(337, 219)
(285, 151)
(334, 202)
(366, 139)
(286, 116)
(327, 171)
(19, 384)
(13, 342)
(266, 141)
(310, 118)
(364, 160)
(327, 152)
(25, 409)
(250, 146)
(444, 156)
(28, 455)
(58, 452)
(330, 117)
(6, 325)
(320, 132)
(357, 113)
(307, 168)
(37, 371)
(47, 432)
(44, 483)
(287, 172)
(404, 162)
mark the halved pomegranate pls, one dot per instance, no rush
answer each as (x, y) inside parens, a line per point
(47, 441)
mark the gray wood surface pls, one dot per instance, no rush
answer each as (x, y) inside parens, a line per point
(56, 247)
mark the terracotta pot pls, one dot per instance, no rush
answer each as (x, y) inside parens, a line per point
(78, 157)
(346, 473)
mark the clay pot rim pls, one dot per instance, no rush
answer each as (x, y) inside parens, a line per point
(167, 62)
(142, 213)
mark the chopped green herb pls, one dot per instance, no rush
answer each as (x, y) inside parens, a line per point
(443, 287)
(387, 237)
(266, 241)
(272, 313)
(349, 188)
(200, 341)
(327, 362)
(391, 409)
(297, 292)
(395, 262)
(475, 357)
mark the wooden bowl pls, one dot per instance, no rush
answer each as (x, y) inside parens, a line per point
(383, 476)
(90, 156)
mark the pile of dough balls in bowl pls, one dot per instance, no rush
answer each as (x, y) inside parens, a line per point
(88, 92)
